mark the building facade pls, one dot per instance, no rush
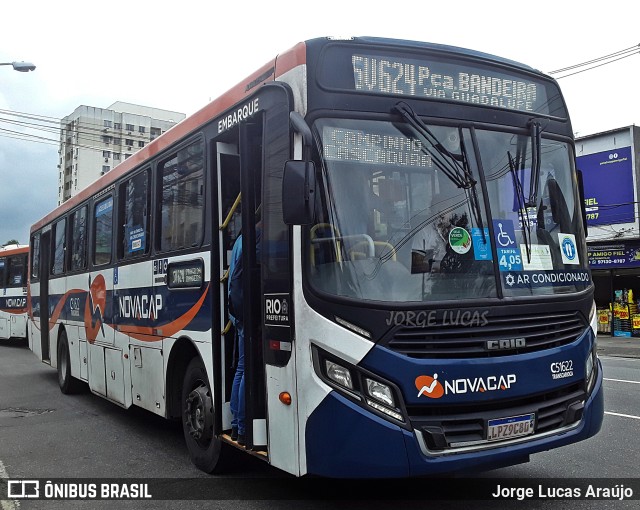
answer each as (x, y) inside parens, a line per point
(610, 166)
(95, 140)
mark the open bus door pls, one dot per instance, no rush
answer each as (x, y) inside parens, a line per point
(230, 224)
(239, 190)
(251, 140)
(45, 258)
(249, 162)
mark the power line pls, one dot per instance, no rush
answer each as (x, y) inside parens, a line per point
(29, 137)
(81, 128)
(600, 65)
(89, 134)
(617, 53)
(604, 60)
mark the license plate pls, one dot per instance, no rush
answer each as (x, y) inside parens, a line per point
(512, 426)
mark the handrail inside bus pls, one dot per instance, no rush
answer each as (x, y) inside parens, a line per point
(336, 235)
(231, 211)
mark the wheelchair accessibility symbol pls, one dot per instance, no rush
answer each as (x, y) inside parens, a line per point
(509, 257)
(503, 238)
(504, 233)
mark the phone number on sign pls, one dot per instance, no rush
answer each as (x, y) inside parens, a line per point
(606, 261)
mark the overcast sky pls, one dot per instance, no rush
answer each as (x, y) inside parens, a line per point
(179, 57)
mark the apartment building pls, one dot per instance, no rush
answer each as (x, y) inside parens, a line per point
(95, 140)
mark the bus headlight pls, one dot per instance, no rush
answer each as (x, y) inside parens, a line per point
(339, 374)
(380, 391)
(593, 320)
(359, 385)
(589, 365)
(382, 398)
(590, 372)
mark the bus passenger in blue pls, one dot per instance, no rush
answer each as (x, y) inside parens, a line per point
(237, 319)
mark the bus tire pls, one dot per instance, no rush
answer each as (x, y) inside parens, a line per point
(197, 419)
(68, 384)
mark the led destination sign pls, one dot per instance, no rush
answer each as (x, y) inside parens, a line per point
(374, 148)
(186, 274)
(451, 81)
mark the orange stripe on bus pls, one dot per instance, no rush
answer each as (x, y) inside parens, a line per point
(58, 309)
(142, 333)
(146, 333)
(13, 310)
(14, 251)
(291, 59)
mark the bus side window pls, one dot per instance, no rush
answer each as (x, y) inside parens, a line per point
(181, 199)
(3, 268)
(16, 271)
(79, 239)
(102, 231)
(59, 236)
(25, 269)
(35, 256)
(133, 219)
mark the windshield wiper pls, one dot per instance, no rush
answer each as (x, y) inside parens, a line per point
(534, 185)
(522, 204)
(455, 167)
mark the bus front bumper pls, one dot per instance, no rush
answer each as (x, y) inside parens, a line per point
(344, 440)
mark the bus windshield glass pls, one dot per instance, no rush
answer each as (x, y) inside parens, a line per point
(401, 214)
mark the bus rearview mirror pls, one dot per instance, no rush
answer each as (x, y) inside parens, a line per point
(298, 192)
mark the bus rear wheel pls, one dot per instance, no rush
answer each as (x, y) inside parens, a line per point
(197, 419)
(68, 384)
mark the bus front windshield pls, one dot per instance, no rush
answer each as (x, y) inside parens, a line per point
(401, 215)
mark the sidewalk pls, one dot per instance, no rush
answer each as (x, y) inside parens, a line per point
(624, 347)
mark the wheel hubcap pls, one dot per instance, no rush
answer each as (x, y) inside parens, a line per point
(199, 415)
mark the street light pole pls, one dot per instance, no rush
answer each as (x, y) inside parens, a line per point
(23, 67)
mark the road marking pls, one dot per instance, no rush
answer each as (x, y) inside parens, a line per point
(7, 504)
(622, 380)
(623, 415)
(618, 358)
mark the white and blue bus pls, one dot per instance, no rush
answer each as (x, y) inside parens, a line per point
(422, 301)
(13, 291)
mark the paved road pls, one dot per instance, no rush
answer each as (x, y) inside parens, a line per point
(44, 434)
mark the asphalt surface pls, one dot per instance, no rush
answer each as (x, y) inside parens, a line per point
(621, 347)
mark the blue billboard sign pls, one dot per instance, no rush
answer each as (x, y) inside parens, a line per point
(608, 186)
(611, 256)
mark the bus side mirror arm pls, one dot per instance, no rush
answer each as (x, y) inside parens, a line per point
(583, 207)
(301, 127)
(299, 180)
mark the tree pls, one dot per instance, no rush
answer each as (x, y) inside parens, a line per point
(10, 241)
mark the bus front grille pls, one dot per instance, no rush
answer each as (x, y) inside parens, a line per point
(447, 428)
(487, 336)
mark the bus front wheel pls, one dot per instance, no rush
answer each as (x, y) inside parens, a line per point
(197, 419)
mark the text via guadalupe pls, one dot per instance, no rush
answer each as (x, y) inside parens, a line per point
(238, 115)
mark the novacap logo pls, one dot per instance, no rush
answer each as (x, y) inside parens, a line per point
(430, 387)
